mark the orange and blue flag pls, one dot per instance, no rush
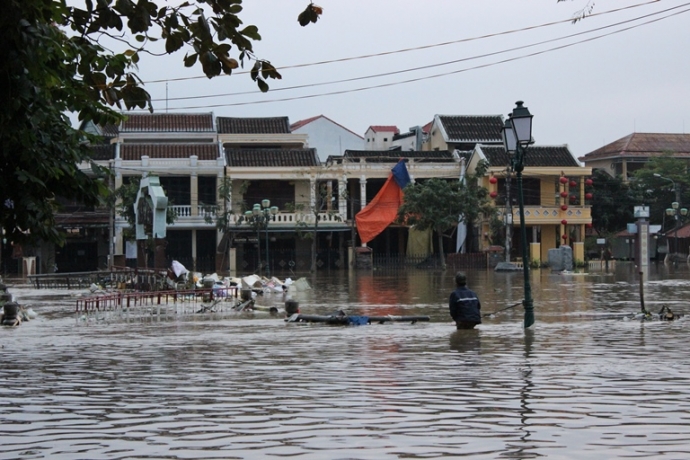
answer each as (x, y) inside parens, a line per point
(383, 209)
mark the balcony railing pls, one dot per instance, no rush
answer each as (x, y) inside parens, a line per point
(202, 211)
(551, 214)
(285, 218)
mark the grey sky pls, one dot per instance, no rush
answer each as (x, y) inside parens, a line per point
(584, 95)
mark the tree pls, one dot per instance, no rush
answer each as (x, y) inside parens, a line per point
(437, 204)
(612, 203)
(53, 62)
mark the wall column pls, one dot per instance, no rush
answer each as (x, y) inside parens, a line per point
(342, 200)
(194, 193)
(362, 192)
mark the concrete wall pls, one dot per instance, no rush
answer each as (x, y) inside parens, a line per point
(329, 138)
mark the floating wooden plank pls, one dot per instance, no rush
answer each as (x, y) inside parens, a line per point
(342, 320)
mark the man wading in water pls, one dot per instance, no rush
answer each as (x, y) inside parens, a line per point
(464, 304)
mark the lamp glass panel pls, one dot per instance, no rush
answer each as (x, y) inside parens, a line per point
(509, 141)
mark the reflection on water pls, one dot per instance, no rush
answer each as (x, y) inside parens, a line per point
(585, 382)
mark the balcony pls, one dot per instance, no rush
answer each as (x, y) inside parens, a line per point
(284, 220)
(548, 215)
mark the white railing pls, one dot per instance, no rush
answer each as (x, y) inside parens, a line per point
(293, 218)
(202, 211)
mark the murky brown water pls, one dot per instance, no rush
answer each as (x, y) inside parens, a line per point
(584, 383)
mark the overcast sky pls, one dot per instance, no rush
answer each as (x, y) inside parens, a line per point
(583, 91)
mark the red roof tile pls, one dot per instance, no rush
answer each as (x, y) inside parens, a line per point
(643, 145)
(384, 129)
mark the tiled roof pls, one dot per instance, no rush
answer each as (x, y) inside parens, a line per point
(273, 125)
(643, 145)
(134, 152)
(386, 156)
(682, 232)
(464, 128)
(384, 129)
(247, 158)
(536, 156)
(300, 123)
(167, 123)
(101, 152)
(109, 130)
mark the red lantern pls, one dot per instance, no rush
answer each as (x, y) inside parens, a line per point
(493, 194)
(573, 198)
(564, 194)
(589, 182)
(564, 207)
(564, 222)
(588, 196)
(588, 225)
(573, 183)
(493, 180)
(563, 179)
(565, 237)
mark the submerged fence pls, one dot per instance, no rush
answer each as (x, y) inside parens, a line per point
(160, 302)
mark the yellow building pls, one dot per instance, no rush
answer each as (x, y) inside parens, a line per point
(556, 198)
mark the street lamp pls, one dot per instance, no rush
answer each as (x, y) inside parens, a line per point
(517, 136)
(677, 212)
(260, 216)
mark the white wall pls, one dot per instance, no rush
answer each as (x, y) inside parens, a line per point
(328, 138)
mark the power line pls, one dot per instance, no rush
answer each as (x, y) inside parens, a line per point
(456, 61)
(412, 80)
(417, 48)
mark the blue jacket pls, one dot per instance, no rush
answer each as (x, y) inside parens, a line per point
(464, 305)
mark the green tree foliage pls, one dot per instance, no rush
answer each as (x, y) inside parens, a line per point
(436, 204)
(53, 62)
(612, 203)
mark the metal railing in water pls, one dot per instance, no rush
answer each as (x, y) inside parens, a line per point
(79, 280)
(140, 304)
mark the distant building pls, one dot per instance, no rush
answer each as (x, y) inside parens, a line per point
(463, 132)
(327, 137)
(380, 137)
(628, 154)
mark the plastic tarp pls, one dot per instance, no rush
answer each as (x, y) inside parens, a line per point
(383, 209)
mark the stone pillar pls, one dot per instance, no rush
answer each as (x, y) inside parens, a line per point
(194, 254)
(342, 201)
(579, 251)
(312, 193)
(362, 192)
(534, 253)
(194, 191)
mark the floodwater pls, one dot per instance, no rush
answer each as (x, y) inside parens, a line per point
(585, 381)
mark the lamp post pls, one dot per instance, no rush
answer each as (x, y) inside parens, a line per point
(259, 217)
(678, 213)
(675, 211)
(517, 136)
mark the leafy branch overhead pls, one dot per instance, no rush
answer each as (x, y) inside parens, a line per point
(310, 14)
(62, 57)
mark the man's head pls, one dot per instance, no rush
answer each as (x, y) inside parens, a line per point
(460, 279)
